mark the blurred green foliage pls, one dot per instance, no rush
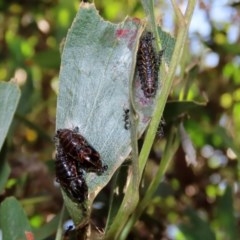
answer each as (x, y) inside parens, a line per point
(192, 203)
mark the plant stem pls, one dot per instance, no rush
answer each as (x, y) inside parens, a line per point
(170, 149)
(59, 229)
(111, 202)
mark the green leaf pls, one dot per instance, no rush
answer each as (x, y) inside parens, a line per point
(13, 221)
(168, 43)
(29, 96)
(196, 228)
(4, 173)
(9, 97)
(174, 109)
(225, 215)
(96, 69)
(4, 168)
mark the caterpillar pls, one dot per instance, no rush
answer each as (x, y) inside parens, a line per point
(148, 63)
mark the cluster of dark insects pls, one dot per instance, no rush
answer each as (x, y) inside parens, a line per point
(74, 157)
(148, 63)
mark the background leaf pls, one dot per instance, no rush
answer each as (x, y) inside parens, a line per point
(4, 168)
(13, 220)
(196, 228)
(9, 97)
(225, 215)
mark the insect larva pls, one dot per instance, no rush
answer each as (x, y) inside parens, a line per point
(70, 177)
(77, 147)
(148, 63)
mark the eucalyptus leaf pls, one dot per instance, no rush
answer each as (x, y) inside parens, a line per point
(94, 79)
(9, 97)
(96, 68)
(4, 168)
(174, 109)
(196, 228)
(13, 221)
(226, 215)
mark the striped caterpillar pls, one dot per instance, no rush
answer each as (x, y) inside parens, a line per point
(148, 63)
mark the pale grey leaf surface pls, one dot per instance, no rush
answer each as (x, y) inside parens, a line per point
(95, 72)
(9, 97)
